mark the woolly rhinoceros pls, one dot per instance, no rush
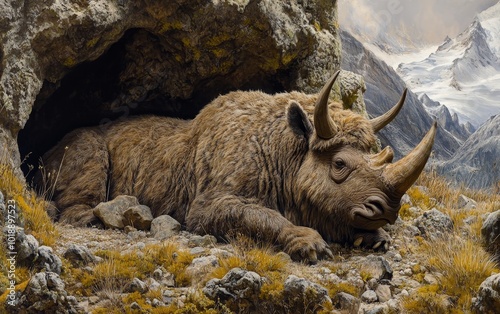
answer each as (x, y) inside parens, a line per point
(289, 169)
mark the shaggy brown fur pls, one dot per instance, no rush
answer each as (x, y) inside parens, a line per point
(249, 162)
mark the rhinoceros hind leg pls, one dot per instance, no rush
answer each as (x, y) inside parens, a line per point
(78, 179)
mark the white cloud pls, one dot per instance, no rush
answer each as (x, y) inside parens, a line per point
(430, 20)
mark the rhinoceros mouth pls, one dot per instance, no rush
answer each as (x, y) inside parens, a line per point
(373, 214)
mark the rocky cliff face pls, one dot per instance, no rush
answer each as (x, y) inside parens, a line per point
(476, 163)
(69, 64)
(383, 90)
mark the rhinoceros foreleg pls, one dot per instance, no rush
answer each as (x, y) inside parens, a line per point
(222, 214)
(378, 239)
(76, 176)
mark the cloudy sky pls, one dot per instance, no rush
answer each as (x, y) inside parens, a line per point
(430, 20)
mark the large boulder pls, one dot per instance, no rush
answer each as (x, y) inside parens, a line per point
(45, 293)
(490, 232)
(488, 297)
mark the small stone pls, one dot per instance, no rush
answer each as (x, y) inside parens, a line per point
(203, 241)
(152, 284)
(408, 272)
(465, 202)
(48, 260)
(197, 251)
(406, 200)
(79, 255)
(383, 293)
(430, 279)
(136, 285)
(158, 274)
(394, 306)
(434, 224)
(164, 227)
(237, 284)
(378, 267)
(372, 284)
(378, 309)
(129, 229)
(111, 213)
(135, 306)
(156, 303)
(488, 296)
(302, 295)
(45, 293)
(138, 216)
(347, 303)
(398, 257)
(26, 248)
(167, 296)
(369, 296)
(490, 233)
(202, 264)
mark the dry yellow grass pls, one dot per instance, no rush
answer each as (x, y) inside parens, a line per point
(459, 258)
(37, 222)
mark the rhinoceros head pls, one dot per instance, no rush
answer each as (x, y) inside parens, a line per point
(341, 187)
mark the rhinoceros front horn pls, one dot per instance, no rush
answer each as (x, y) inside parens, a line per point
(403, 173)
(380, 122)
(323, 123)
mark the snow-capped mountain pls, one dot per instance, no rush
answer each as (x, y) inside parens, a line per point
(476, 163)
(383, 90)
(464, 72)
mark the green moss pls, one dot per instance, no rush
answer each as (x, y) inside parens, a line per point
(91, 43)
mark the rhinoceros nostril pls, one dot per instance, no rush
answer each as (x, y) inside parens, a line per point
(376, 205)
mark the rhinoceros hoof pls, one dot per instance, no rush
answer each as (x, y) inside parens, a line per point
(378, 240)
(304, 244)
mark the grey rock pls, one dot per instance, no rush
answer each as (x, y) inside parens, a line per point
(466, 202)
(303, 295)
(27, 248)
(394, 306)
(406, 200)
(164, 227)
(48, 260)
(138, 216)
(347, 303)
(378, 267)
(384, 293)
(203, 241)
(158, 274)
(79, 255)
(111, 213)
(197, 250)
(152, 284)
(136, 285)
(369, 296)
(378, 309)
(45, 293)
(203, 263)
(490, 233)
(434, 224)
(488, 297)
(135, 306)
(156, 303)
(237, 284)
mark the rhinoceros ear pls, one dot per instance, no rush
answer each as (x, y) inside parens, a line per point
(298, 121)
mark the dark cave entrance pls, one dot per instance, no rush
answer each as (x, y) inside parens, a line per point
(142, 73)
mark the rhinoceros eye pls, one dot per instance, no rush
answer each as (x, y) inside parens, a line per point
(340, 170)
(339, 164)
